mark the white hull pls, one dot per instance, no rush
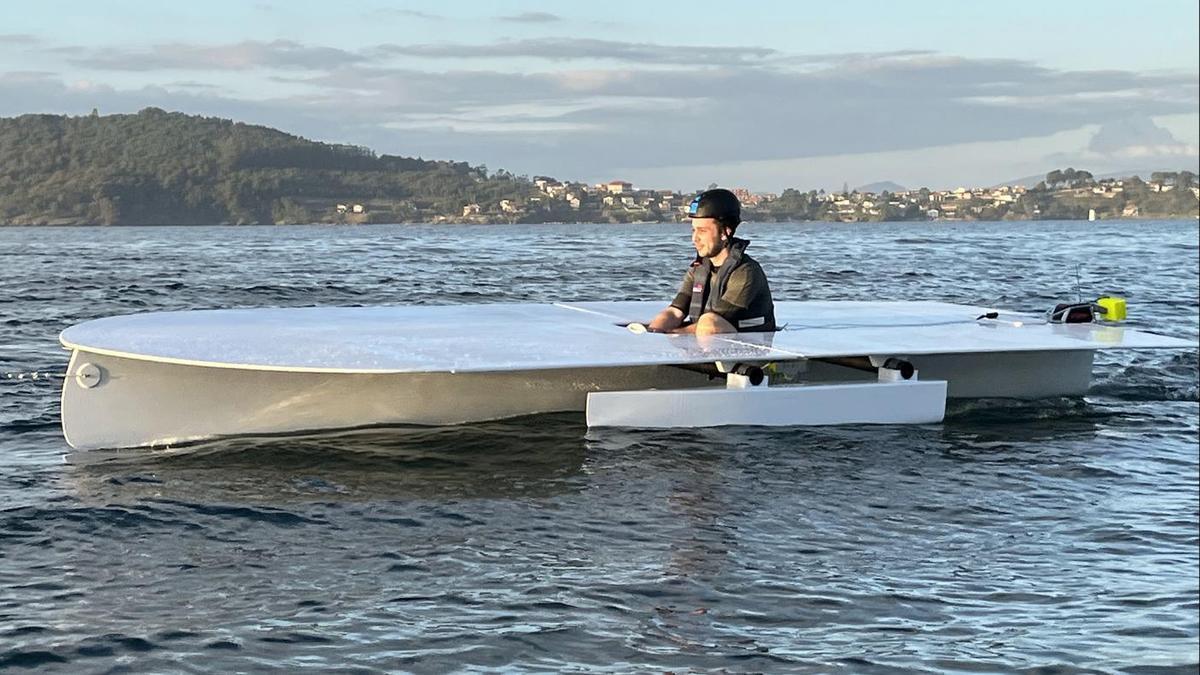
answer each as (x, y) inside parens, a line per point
(165, 378)
(1028, 375)
(151, 403)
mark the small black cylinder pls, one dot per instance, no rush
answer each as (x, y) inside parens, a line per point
(753, 372)
(905, 367)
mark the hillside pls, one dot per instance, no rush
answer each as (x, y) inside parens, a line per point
(166, 168)
(881, 186)
(160, 168)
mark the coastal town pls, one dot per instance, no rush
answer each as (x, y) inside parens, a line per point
(162, 168)
(1067, 194)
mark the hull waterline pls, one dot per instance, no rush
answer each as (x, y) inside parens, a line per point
(136, 403)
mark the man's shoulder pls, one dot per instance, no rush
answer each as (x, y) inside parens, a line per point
(751, 265)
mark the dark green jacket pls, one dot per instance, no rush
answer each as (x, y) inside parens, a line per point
(737, 291)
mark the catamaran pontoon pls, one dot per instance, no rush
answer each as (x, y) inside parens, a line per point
(171, 377)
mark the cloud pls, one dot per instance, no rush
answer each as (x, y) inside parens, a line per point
(578, 122)
(191, 84)
(649, 106)
(531, 17)
(575, 49)
(1127, 144)
(19, 39)
(406, 13)
(1135, 135)
(248, 55)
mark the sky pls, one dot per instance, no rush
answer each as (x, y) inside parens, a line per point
(670, 94)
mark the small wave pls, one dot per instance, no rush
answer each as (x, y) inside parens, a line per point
(296, 638)
(1174, 378)
(114, 644)
(34, 658)
(260, 514)
(925, 240)
(46, 421)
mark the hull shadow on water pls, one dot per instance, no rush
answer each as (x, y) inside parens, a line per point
(525, 457)
(551, 455)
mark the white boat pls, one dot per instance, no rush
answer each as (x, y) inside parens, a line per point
(166, 378)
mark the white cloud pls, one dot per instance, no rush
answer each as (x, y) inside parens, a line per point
(659, 109)
(531, 17)
(284, 54)
(945, 166)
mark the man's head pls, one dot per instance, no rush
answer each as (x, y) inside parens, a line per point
(715, 216)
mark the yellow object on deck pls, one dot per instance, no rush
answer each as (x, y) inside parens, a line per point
(1114, 308)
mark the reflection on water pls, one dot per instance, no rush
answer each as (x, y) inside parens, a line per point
(524, 457)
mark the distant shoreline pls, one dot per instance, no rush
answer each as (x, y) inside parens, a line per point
(163, 168)
(1181, 219)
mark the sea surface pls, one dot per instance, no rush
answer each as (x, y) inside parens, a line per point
(1056, 536)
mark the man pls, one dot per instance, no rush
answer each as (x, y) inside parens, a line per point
(725, 290)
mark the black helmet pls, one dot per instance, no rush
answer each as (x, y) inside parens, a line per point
(720, 204)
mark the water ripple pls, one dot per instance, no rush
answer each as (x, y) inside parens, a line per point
(1044, 536)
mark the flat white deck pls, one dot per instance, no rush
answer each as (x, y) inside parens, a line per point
(844, 328)
(514, 337)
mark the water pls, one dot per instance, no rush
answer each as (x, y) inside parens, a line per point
(1057, 534)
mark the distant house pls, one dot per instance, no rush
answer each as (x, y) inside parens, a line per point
(471, 210)
(357, 208)
(507, 206)
(618, 186)
(550, 186)
(342, 208)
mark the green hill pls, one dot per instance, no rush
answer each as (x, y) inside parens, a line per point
(166, 168)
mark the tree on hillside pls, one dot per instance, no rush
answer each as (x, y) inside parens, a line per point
(1069, 178)
(1181, 179)
(157, 167)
